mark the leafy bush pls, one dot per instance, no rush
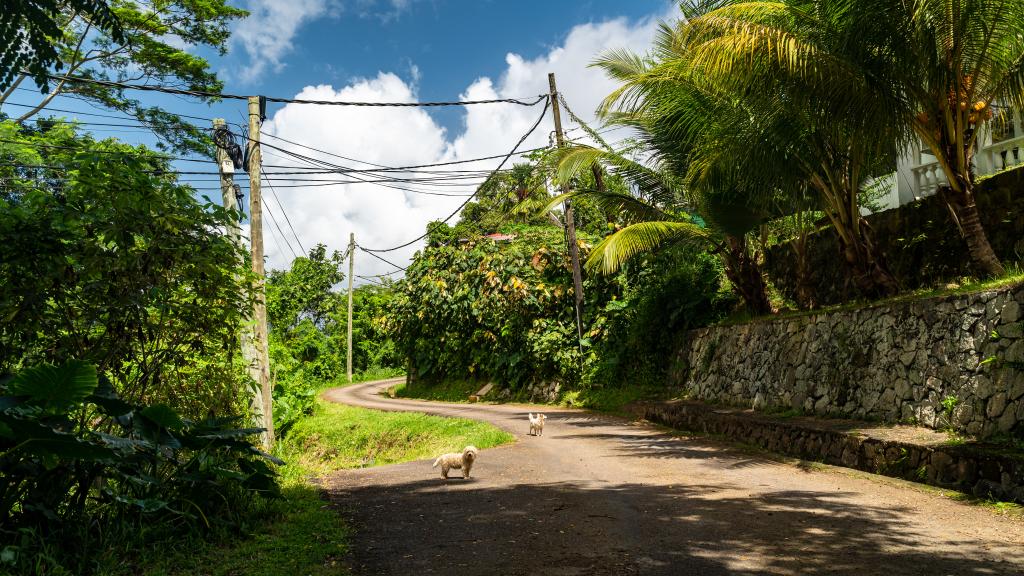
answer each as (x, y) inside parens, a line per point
(82, 467)
(666, 294)
(123, 268)
(500, 311)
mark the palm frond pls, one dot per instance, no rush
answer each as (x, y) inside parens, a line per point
(609, 255)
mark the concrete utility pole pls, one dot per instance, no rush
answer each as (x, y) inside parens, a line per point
(263, 402)
(570, 225)
(351, 271)
(227, 182)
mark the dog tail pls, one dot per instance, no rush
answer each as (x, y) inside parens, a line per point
(531, 415)
(436, 462)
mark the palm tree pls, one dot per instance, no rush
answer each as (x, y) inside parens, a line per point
(801, 131)
(752, 146)
(962, 59)
(931, 69)
(656, 213)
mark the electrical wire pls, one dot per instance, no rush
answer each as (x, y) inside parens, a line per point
(204, 94)
(532, 129)
(283, 211)
(382, 259)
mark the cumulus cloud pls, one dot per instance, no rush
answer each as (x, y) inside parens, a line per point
(267, 34)
(384, 217)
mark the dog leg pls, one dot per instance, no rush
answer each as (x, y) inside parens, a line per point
(444, 471)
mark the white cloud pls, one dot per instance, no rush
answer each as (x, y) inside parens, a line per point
(381, 217)
(267, 34)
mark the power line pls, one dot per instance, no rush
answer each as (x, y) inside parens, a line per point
(400, 168)
(203, 94)
(382, 259)
(278, 226)
(283, 211)
(532, 129)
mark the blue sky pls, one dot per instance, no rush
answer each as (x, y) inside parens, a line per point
(390, 50)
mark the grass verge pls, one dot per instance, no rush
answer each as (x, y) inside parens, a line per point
(300, 535)
(604, 399)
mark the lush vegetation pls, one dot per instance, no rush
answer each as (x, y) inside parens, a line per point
(308, 333)
(299, 533)
(754, 124)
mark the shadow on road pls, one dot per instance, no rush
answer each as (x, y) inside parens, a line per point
(459, 527)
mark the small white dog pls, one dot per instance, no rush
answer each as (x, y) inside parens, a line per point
(537, 424)
(463, 461)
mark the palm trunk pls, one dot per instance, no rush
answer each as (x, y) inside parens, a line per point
(804, 288)
(868, 270)
(743, 271)
(965, 212)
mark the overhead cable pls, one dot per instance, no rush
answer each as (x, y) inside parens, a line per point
(204, 94)
(532, 129)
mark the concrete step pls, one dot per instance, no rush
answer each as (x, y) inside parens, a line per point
(908, 452)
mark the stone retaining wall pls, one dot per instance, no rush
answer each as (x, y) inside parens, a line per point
(953, 361)
(979, 470)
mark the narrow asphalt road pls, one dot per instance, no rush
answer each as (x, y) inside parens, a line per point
(597, 495)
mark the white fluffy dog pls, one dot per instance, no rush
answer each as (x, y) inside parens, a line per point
(463, 461)
(537, 424)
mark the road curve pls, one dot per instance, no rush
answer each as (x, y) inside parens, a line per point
(597, 495)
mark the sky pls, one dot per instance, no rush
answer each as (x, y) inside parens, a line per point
(400, 51)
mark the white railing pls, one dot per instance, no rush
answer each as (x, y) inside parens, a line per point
(1000, 156)
(926, 176)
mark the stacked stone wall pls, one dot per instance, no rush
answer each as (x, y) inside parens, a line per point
(952, 362)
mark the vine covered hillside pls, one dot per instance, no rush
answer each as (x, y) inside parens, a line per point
(501, 311)
(497, 310)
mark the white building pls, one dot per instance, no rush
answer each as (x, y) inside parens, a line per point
(1000, 146)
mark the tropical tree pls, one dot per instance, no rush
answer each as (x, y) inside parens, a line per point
(783, 127)
(122, 268)
(28, 27)
(931, 69)
(961, 60)
(153, 43)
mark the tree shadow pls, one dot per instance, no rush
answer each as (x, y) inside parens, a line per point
(428, 526)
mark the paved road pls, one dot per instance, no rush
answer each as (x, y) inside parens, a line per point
(599, 495)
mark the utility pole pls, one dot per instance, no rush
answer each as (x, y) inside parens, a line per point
(227, 187)
(351, 271)
(570, 225)
(227, 182)
(260, 369)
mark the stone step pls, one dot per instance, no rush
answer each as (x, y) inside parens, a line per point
(908, 452)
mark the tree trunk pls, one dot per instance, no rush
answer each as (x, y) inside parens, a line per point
(743, 271)
(804, 288)
(965, 211)
(869, 272)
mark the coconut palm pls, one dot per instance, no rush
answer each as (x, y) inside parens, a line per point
(933, 69)
(963, 59)
(750, 147)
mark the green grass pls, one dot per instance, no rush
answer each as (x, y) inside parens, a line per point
(300, 535)
(604, 399)
(336, 437)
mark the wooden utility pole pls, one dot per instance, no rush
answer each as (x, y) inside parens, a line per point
(260, 369)
(351, 271)
(570, 225)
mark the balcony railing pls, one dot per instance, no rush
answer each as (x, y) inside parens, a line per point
(997, 157)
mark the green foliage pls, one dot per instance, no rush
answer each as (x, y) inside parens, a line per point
(28, 29)
(124, 269)
(664, 295)
(494, 310)
(156, 44)
(308, 332)
(83, 467)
